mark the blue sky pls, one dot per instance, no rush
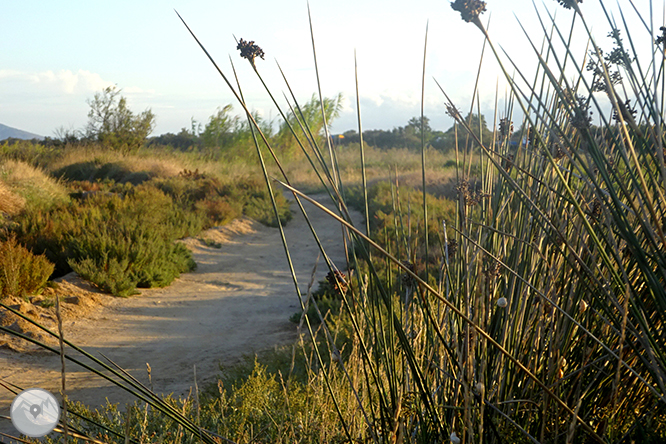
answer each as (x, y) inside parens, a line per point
(54, 55)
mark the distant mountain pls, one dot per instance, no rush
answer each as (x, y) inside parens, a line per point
(7, 131)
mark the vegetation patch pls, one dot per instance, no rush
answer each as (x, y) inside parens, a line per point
(21, 272)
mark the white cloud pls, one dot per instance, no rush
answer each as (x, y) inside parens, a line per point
(66, 81)
(9, 73)
(43, 100)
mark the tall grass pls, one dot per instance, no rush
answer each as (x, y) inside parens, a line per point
(541, 318)
(31, 185)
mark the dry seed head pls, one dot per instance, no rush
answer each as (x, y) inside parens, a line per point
(558, 152)
(508, 162)
(463, 189)
(556, 238)
(595, 211)
(470, 10)
(628, 113)
(452, 247)
(493, 269)
(408, 279)
(531, 136)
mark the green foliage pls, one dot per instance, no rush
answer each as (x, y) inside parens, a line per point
(396, 218)
(113, 124)
(261, 406)
(409, 136)
(219, 131)
(117, 240)
(35, 154)
(21, 272)
(308, 123)
(258, 207)
(222, 202)
(118, 262)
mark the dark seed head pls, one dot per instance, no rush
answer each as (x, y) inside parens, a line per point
(568, 4)
(581, 118)
(469, 9)
(595, 210)
(408, 279)
(661, 40)
(505, 127)
(249, 50)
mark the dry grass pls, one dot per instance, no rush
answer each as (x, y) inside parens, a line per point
(155, 163)
(10, 202)
(383, 165)
(31, 184)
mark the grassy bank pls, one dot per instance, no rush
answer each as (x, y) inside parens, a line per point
(114, 218)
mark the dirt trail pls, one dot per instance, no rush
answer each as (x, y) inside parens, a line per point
(238, 301)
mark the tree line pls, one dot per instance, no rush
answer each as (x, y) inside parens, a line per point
(411, 135)
(112, 124)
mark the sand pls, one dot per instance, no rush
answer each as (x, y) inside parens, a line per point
(238, 302)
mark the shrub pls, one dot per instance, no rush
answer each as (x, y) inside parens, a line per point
(35, 154)
(21, 272)
(259, 207)
(219, 210)
(119, 259)
(116, 240)
(223, 202)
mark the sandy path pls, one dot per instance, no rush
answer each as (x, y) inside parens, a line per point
(238, 301)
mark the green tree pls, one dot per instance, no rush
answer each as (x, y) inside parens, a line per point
(229, 135)
(113, 124)
(310, 117)
(219, 130)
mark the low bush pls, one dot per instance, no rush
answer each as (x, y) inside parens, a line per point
(119, 262)
(118, 240)
(21, 272)
(222, 202)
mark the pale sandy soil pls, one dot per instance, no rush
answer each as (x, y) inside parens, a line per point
(237, 302)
